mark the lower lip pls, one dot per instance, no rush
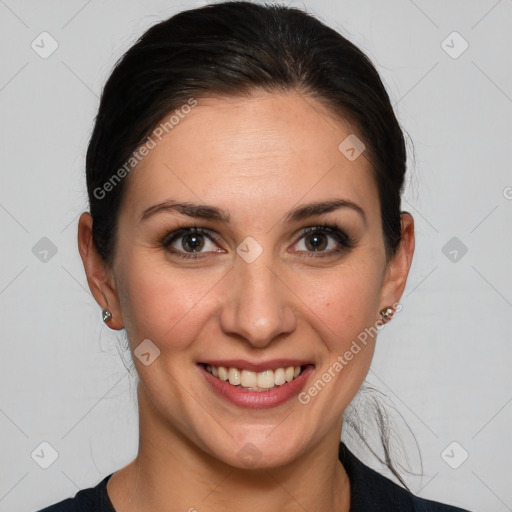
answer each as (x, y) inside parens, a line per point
(257, 399)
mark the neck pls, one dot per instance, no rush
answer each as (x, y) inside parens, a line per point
(172, 473)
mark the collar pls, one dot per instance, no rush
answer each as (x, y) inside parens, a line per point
(369, 490)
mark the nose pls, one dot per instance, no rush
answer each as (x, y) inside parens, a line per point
(258, 305)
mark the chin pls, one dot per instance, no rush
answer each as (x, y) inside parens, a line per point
(254, 450)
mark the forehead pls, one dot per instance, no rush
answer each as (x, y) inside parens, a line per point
(252, 151)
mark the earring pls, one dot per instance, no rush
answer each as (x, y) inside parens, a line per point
(386, 313)
(107, 315)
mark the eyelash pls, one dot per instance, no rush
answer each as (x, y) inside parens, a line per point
(344, 241)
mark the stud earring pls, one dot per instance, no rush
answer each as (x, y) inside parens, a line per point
(386, 313)
(107, 315)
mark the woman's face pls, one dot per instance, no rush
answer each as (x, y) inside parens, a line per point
(249, 290)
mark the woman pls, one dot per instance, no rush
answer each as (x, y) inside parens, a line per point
(244, 177)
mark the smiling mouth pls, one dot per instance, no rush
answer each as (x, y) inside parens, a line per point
(248, 380)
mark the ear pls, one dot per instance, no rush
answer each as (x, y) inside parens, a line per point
(398, 267)
(99, 275)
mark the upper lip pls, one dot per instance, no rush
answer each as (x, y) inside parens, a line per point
(261, 366)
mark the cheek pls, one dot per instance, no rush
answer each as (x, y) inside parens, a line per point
(163, 305)
(346, 302)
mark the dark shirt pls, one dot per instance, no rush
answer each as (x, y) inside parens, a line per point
(369, 492)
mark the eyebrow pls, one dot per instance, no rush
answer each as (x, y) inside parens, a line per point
(199, 211)
(204, 211)
(309, 210)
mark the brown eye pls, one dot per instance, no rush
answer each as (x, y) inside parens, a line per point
(192, 242)
(325, 240)
(316, 241)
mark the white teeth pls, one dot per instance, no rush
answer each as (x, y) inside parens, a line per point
(223, 373)
(248, 379)
(234, 376)
(266, 379)
(255, 381)
(279, 377)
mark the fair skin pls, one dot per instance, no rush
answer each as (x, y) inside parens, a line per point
(257, 158)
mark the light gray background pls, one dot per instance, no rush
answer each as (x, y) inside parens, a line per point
(444, 361)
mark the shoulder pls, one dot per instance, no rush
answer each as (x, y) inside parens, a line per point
(92, 499)
(371, 491)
